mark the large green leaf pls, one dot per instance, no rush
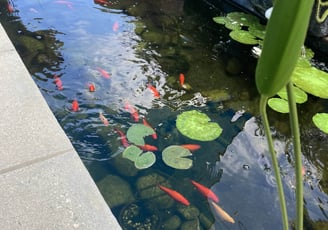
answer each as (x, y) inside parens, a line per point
(131, 152)
(145, 160)
(176, 157)
(321, 121)
(311, 80)
(279, 105)
(244, 37)
(197, 126)
(137, 132)
(300, 95)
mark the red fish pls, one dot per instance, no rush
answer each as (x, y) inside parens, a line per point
(124, 141)
(205, 191)
(223, 214)
(103, 72)
(103, 119)
(92, 87)
(175, 195)
(182, 79)
(58, 82)
(134, 113)
(103, 2)
(75, 106)
(10, 7)
(154, 136)
(153, 90)
(115, 26)
(147, 147)
(191, 147)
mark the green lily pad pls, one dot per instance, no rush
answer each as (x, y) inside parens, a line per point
(244, 37)
(175, 157)
(197, 126)
(311, 80)
(137, 132)
(300, 95)
(131, 152)
(242, 18)
(220, 20)
(321, 121)
(258, 31)
(145, 160)
(279, 105)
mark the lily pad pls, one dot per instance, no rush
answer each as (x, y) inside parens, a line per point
(279, 105)
(145, 160)
(175, 157)
(244, 37)
(137, 132)
(242, 18)
(311, 80)
(197, 126)
(131, 152)
(300, 95)
(321, 121)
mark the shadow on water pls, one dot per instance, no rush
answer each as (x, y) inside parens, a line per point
(152, 42)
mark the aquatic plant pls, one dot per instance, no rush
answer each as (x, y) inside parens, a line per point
(278, 59)
(177, 157)
(198, 126)
(137, 132)
(141, 160)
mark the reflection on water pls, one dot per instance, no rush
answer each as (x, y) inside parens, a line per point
(152, 42)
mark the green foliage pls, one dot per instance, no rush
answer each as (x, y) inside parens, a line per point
(176, 157)
(197, 126)
(320, 120)
(141, 160)
(278, 104)
(137, 132)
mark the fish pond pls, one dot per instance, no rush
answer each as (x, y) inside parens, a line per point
(156, 94)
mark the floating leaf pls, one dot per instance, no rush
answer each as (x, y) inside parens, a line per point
(279, 105)
(311, 80)
(258, 31)
(220, 20)
(244, 37)
(137, 132)
(300, 95)
(131, 152)
(145, 160)
(197, 126)
(242, 19)
(175, 156)
(321, 121)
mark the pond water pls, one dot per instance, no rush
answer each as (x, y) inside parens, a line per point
(123, 46)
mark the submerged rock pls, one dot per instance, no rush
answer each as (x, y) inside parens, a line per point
(173, 222)
(147, 187)
(115, 191)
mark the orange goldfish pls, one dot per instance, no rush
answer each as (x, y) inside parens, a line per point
(147, 147)
(205, 191)
(115, 26)
(92, 87)
(154, 136)
(153, 90)
(175, 195)
(124, 141)
(58, 82)
(103, 72)
(103, 119)
(75, 106)
(10, 7)
(182, 79)
(134, 113)
(103, 2)
(223, 214)
(191, 147)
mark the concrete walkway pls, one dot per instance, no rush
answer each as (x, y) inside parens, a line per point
(43, 182)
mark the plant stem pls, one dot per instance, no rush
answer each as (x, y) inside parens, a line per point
(284, 216)
(293, 119)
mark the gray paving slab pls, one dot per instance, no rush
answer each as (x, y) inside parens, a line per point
(43, 182)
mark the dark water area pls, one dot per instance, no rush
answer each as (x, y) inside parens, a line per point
(151, 42)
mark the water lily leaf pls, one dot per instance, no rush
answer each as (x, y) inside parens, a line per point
(137, 132)
(243, 19)
(244, 37)
(175, 157)
(300, 95)
(220, 20)
(258, 31)
(145, 160)
(279, 105)
(321, 121)
(131, 152)
(311, 80)
(197, 126)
